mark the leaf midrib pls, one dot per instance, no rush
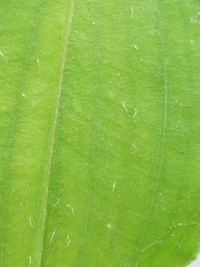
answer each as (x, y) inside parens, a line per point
(55, 120)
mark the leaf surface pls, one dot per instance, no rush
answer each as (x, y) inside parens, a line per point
(99, 133)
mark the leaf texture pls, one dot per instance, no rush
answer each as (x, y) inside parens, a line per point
(99, 133)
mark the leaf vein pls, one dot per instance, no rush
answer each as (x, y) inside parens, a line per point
(55, 120)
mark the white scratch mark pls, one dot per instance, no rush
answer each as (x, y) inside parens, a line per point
(68, 241)
(180, 224)
(183, 224)
(135, 114)
(187, 224)
(71, 208)
(3, 56)
(38, 62)
(136, 47)
(29, 260)
(109, 226)
(180, 245)
(23, 94)
(124, 105)
(30, 221)
(52, 237)
(56, 203)
(134, 147)
(151, 245)
(195, 263)
(195, 223)
(114, 186)
(93, 23)
(132, 11)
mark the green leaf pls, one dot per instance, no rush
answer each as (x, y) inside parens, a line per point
(99, 133)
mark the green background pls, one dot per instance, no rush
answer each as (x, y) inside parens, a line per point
(99, 133)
